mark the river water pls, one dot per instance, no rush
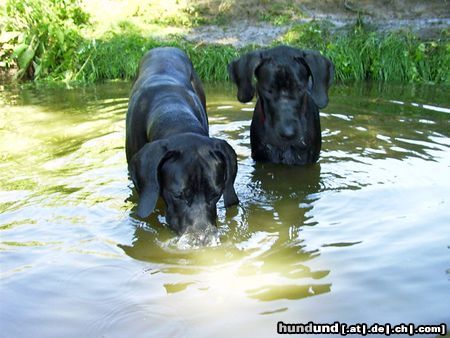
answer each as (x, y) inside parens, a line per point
(363, 236)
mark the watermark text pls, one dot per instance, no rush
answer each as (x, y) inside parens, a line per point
(361, 329)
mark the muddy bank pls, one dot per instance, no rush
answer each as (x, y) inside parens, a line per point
(246, 32)
(377, 9)
(426, 20)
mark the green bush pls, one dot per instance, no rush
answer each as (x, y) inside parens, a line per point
(47, 36)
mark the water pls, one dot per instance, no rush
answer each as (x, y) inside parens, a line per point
(362, 236)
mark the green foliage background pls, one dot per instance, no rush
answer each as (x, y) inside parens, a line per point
(47, 40)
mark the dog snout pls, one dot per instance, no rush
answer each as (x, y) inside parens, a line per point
(194, 238)
(200, 217)
(200, 226)
(202, 234)
(288, 131)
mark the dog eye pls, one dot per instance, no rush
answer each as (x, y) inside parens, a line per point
(180, 194)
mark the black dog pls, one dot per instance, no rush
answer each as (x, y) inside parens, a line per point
(168, 149)
(292, 85)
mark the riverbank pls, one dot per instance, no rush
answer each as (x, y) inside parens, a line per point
(80, 43)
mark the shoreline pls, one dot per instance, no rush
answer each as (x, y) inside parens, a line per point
(93, 47)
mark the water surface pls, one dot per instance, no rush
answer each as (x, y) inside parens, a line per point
(361, 236)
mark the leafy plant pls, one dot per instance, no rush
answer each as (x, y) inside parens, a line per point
(7, 43)
(47, 36)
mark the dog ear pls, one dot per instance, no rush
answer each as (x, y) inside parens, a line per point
(143, 170)
(229, 155)
(322, 73)
(241, 72)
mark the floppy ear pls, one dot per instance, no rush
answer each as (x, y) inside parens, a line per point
(241, 72)
(322, 73)
(143, 170)
(227, 153)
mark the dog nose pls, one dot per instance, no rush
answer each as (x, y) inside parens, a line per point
(193, 237)
(288, 132)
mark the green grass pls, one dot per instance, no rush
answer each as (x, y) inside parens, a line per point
(117, 57)
(364, 55)
(398, 56)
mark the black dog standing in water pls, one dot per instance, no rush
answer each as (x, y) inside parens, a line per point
(168, 148)
(292, 85)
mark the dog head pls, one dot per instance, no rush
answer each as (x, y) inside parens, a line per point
(191, 173)
(291, 85)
